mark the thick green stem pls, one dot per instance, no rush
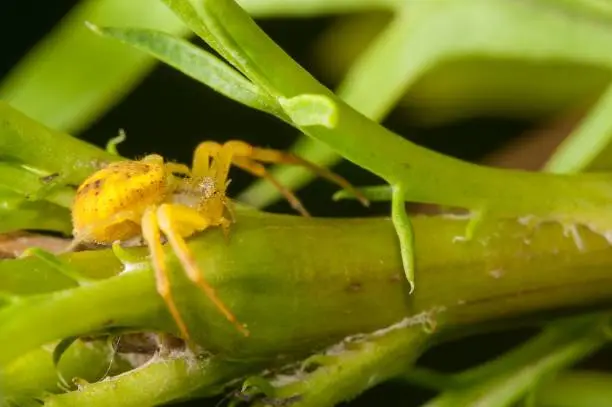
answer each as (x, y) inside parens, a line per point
(289, 280)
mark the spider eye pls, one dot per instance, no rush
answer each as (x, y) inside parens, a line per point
(180, 175)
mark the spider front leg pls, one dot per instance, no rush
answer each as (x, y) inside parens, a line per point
(152, 235)
(177, 221)
(259, 170)
(207, 162)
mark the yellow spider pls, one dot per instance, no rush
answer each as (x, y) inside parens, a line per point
(149, 197)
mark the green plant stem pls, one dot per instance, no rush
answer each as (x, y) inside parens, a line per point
(57, 315)
(309, 8)
(354, 365)
(591, 388)
(587, 145)
(505, 384)
(296, 268)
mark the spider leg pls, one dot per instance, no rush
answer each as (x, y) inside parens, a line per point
(267, 155)
(151, 233)
(84, 233)
(259, 170)
(238, 153)
(202, 157)
(176, 222)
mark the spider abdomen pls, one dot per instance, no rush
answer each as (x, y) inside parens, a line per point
(109, 204)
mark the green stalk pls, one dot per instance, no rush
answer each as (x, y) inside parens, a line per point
(591, 388)
(588, 146)
(357, 363)
(287, 278)
(309, 8)
(504, 381)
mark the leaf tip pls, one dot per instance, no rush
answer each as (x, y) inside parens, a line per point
(341, 195)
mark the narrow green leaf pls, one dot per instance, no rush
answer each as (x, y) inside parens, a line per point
(35, 374)
(28, 142)
(17, 213)
(588, 147)
(26, 183)
(196, 63)
(373, 193)
(61, 348)
(506, 381)
(310, 8)
(72, 77)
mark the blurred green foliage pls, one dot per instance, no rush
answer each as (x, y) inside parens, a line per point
(439, 61)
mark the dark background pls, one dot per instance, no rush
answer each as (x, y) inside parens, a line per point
(169, 114)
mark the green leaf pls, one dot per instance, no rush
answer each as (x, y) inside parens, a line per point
(16, 213)
(61, 348)
(26, 183)
(310, 8)
(72, 77)
(588, 147)
(506, 381)
(196, 63)
(35, 374)
(373, 193)
(28, 142)
(87, 76)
